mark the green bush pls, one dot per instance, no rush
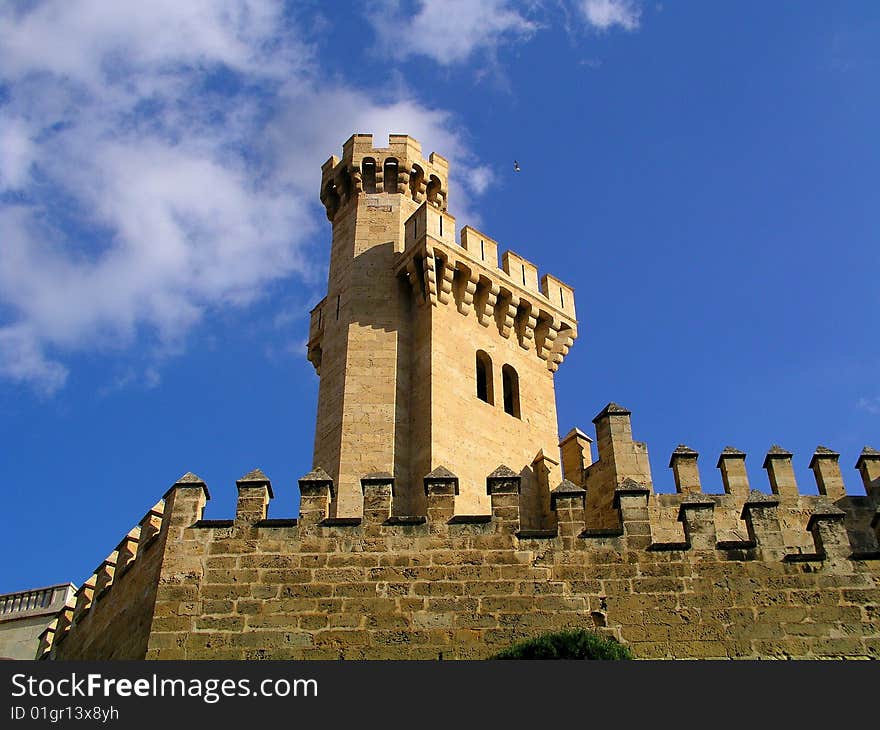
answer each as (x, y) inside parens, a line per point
(573, 644)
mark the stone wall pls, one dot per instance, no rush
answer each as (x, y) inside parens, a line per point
(463, 587)
(112, 611)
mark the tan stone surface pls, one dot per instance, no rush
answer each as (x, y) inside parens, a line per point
(377, 590)
(435, 521)
(114, 623)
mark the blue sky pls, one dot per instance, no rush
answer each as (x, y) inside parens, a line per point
(703, 174)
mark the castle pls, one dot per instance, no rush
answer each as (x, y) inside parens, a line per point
(445, 518)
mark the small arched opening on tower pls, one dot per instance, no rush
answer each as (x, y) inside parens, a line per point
(416, 180)
(485, 389)
(331, 199)
(344, 185)
(368, 169)
(510, 383)
(433, 190)
(389, 176)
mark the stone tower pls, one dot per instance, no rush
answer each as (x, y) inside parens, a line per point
(431, 357)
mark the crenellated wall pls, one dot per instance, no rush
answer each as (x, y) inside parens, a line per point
(398, 168)
(540, 318)
(745, 574)
(110, 615)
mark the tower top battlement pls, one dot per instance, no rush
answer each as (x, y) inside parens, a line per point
(536, 309)
(397, 168)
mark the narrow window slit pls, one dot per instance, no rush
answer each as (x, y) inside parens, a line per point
(484, 378)
(510, 384)
(438, 270)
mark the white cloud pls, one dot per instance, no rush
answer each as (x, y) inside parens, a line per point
(455, 31)
(22, 361)
(152, 377)
(481, 178)
(93, 39)
(150, 184)
(870, 405)
(604, 14)
(337, 112)
(449, 32)
(16, 153)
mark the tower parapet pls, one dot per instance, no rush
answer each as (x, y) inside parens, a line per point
(541, 318)
(398, 168)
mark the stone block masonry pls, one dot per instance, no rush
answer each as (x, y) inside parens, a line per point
(385, 586)
(429, 353)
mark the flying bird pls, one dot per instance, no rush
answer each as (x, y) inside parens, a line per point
(515, 166)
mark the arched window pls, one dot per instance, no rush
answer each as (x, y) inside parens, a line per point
(484, 378)
(343, 185)
(368, 169)
(330, 198)
(510, 383)
(432, 189)
(416, 177)
(389, 177)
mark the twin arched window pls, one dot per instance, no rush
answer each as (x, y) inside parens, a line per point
(389, 175)
(391, 179)
(509, 383)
